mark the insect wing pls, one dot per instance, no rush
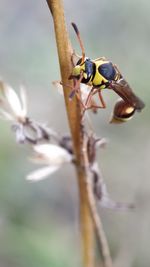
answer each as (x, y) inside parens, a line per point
(123, 89)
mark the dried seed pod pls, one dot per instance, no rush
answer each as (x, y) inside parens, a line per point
(122, 112)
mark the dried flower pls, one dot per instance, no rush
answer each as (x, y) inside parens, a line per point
(53, 156)
(92, 146)
(99, 186)
(14, 109)
(66, 142)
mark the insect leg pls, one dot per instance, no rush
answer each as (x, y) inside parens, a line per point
(88, 100)
(101, 99)
(97, 90)
(90, 103)
(76, 87)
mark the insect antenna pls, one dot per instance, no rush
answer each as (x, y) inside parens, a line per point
(80, 41)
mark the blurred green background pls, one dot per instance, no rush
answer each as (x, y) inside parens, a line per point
(39, 221)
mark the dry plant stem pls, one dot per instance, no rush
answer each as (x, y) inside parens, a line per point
(87, 202)
(74, 117)
(104, 248)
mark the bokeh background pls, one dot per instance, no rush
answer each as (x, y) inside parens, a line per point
(39, 221)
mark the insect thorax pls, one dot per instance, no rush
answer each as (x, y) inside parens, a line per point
(97, 73)
(104, 74)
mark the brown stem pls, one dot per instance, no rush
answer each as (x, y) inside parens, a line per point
(74, 118)
(103, 244)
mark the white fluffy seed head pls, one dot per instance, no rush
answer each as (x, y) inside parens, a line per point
(51, 154)
(12, 107)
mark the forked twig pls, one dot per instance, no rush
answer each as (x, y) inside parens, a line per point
(104, 248)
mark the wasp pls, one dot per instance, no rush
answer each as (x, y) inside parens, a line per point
(100, 74)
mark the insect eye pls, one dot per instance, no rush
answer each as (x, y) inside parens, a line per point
(79, 61)
(87, 61)
(107, 71)
(89, 67)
